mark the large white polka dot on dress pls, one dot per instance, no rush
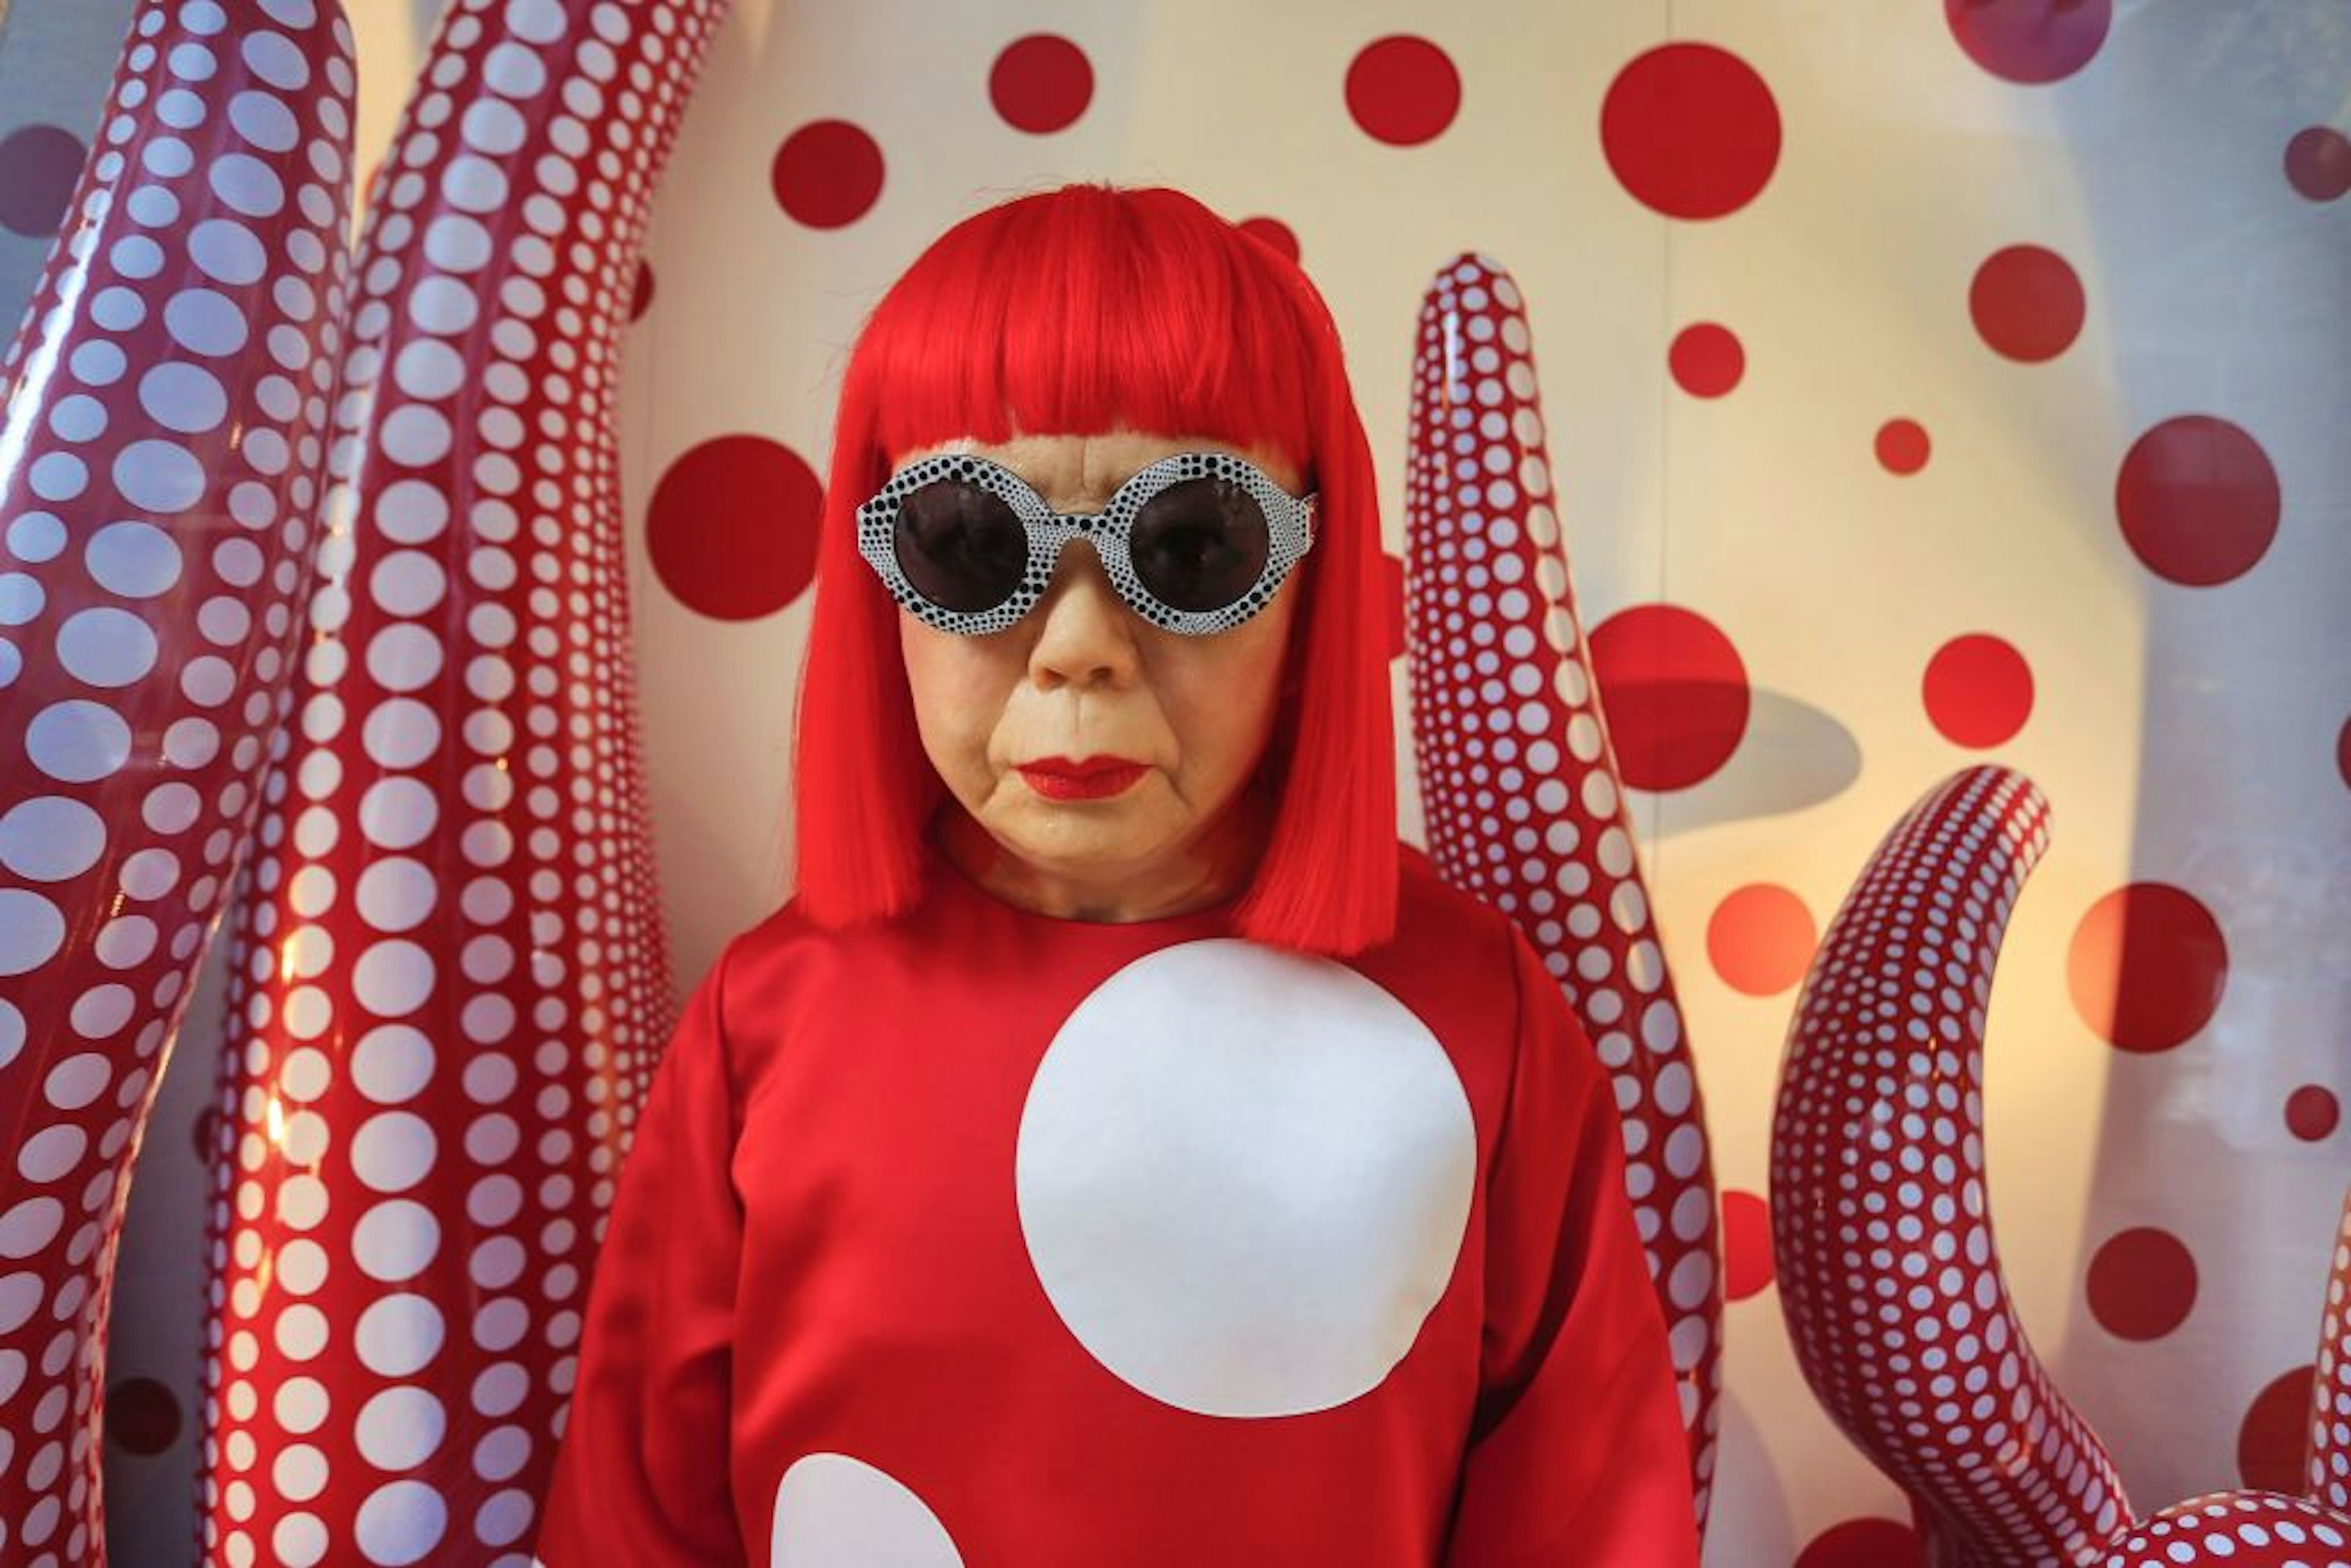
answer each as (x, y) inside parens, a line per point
(834, 1512)
(1525, 803)
(1243, 1177)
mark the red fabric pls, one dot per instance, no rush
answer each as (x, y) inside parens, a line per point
(818, 1249)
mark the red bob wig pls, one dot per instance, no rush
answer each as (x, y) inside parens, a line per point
(1077, 311)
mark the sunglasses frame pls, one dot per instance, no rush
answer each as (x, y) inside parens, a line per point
(1290, 534)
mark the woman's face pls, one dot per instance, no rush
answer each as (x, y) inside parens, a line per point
(1082, 679)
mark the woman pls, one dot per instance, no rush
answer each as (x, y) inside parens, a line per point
(1119, 1151)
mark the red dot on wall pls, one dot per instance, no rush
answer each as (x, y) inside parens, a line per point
(732, 527)
(39, 166)
(1747, 1268)
(2142, 1283)
(1041, 83)
(2198, 500)
(1978, 690)
(827, 173)
(2319, 162)
(2312, 1113)
(1707, 358)
(2271, 1438)
(1403, 90)
(142, 1417)
(1760, 940)
(1864, 1544)
(2030, 41)
(1902, 446)
(1691, 131)
(2027, 303)
(1272, 232)
(2146, 966)
(1675, 692)
(2343, 751)
(640, 295)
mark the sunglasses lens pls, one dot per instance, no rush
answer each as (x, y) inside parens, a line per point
(962, 546)
(1201, 545)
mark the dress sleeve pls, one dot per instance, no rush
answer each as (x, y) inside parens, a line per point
(1576, 1453)
(641, 1477)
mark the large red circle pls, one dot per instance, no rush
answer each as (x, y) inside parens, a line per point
(1863, 1543)
(1272, 232)
(2142, 1283)
(1707, 358)
(2146, 966)
(1760, 940)
(142, 1417)
(1675, 692)
(2198, 500)
(2312, 1113)
(1747, 1265)
(1041, 83)
(1978, 690)
(39, 166)
(2027, 303)
(732, 529)
(1691, 131)
(827, 174)
(2270, 1438)
(2319, 162)
(2030, 41)
(1403, 90)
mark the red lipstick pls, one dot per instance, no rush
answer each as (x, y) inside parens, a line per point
(1095, 778)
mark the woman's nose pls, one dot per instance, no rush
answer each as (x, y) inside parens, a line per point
(1084, 634)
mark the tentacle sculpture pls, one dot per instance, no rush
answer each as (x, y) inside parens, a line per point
(160, 458)
(1524, 801)
(451, 981)
(2241, 1529)
(2330, 1395)
(1889, 1281)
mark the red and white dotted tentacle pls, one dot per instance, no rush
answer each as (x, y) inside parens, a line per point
(1524, 802)
(2330, 1395)
(450, 981)
(1889, 1280)
(2242, 1530)
(161, 460)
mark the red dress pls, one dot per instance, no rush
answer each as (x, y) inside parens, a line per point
(979, 1238)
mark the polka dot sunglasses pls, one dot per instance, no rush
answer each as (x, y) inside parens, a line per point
(1195, 543)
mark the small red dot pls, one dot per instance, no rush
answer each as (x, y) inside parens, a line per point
(1675, 691)
(2027, 303)
(827, 173)
(2030, 41)
(2319, 162)
(1392, 570)
(1902, 446)
(2146, 966)
(2197, 499)
(2142, 1283)
(1978, 690)
(1272, 232)
(39, 166)
(2343, 751)
(1041, 83)
(1760, 940)
(205, 1135)
(1691, 131)
(732, 527)
(640, 296)
(1864, 1544)
(2270, 1438)
(2312, 1113)
(1747, 1266)
(1403, 90)
(142, 1417)
(1707, 358)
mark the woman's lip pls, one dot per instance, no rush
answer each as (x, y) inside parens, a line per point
(1058, 778)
